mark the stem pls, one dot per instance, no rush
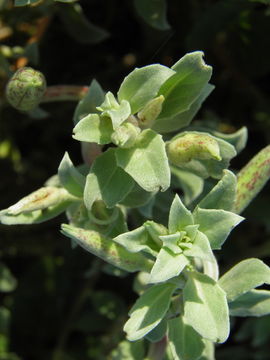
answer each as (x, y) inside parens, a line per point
(252, 178)
(64, 93)
(157, 350)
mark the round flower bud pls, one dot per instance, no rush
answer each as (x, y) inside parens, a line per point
(193, 146)
(25, 89)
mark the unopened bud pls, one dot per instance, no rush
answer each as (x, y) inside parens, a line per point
(193, 146)
(150, 112)
(125, 136)
(25, 89)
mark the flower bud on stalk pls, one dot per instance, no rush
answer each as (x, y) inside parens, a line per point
(193, 146)
(25, 89)
(150, 112)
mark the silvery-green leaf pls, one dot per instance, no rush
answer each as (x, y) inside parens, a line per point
(216, 224)
(94, 128)
(243, 277)
(184, 87)
(173, 123)
(222, 196)
(106, 181)
(191, 184)
(206, 308)
(200, 248)
(252, 303)
(70, 178)
(146, 161)
(167, 266)
(185, 343)
(179, 216)
(143, 84)
(88, 104)
(149, 310)
(138, 240)
(118, 113)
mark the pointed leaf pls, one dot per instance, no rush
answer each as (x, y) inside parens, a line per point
(106, 181)
(146, 161)
(185, 343)
(88, 104)
(245, 276)
(205, 307)
(167, 266)
(252, 303)
(179, 216)
(118, 113)
(149, 310)
(138, 240)
(222, 195)
(200, 248)
(93, 128)
(216, 224)
(70, 178)
(173, 123)
(184, 87)
(142, 85)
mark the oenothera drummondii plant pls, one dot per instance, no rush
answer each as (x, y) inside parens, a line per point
(130, 158)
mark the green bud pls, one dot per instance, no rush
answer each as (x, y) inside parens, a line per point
(25, 89)
(150, 112)
(125, 135)
(193, 146)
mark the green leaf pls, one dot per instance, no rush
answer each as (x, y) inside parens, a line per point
(7, 280)
(185, 343)
(167, 266)
(127, 350)
(106, 181)
(79, 27)
(200, 248)
(118, 113)
(216, 224)
(245, 276)
(158, 332)
(252, 303)
(94, 128)
(149, 310)
(208, 351)
(205, 307)
(252, 178)
(94, 97)
(138, 240)
(184, 87)
(238, 139)
(106, 249)
(179, 216)
(5, 317)
(182, 119)
(153, 12)
(142, 85)
(222, 196)
(137, 197)
(146, 161)
(191, 184)
(71, 179)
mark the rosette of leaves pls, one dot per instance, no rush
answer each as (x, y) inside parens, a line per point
(184, 297)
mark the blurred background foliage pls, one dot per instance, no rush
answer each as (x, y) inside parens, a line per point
(61, 303)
